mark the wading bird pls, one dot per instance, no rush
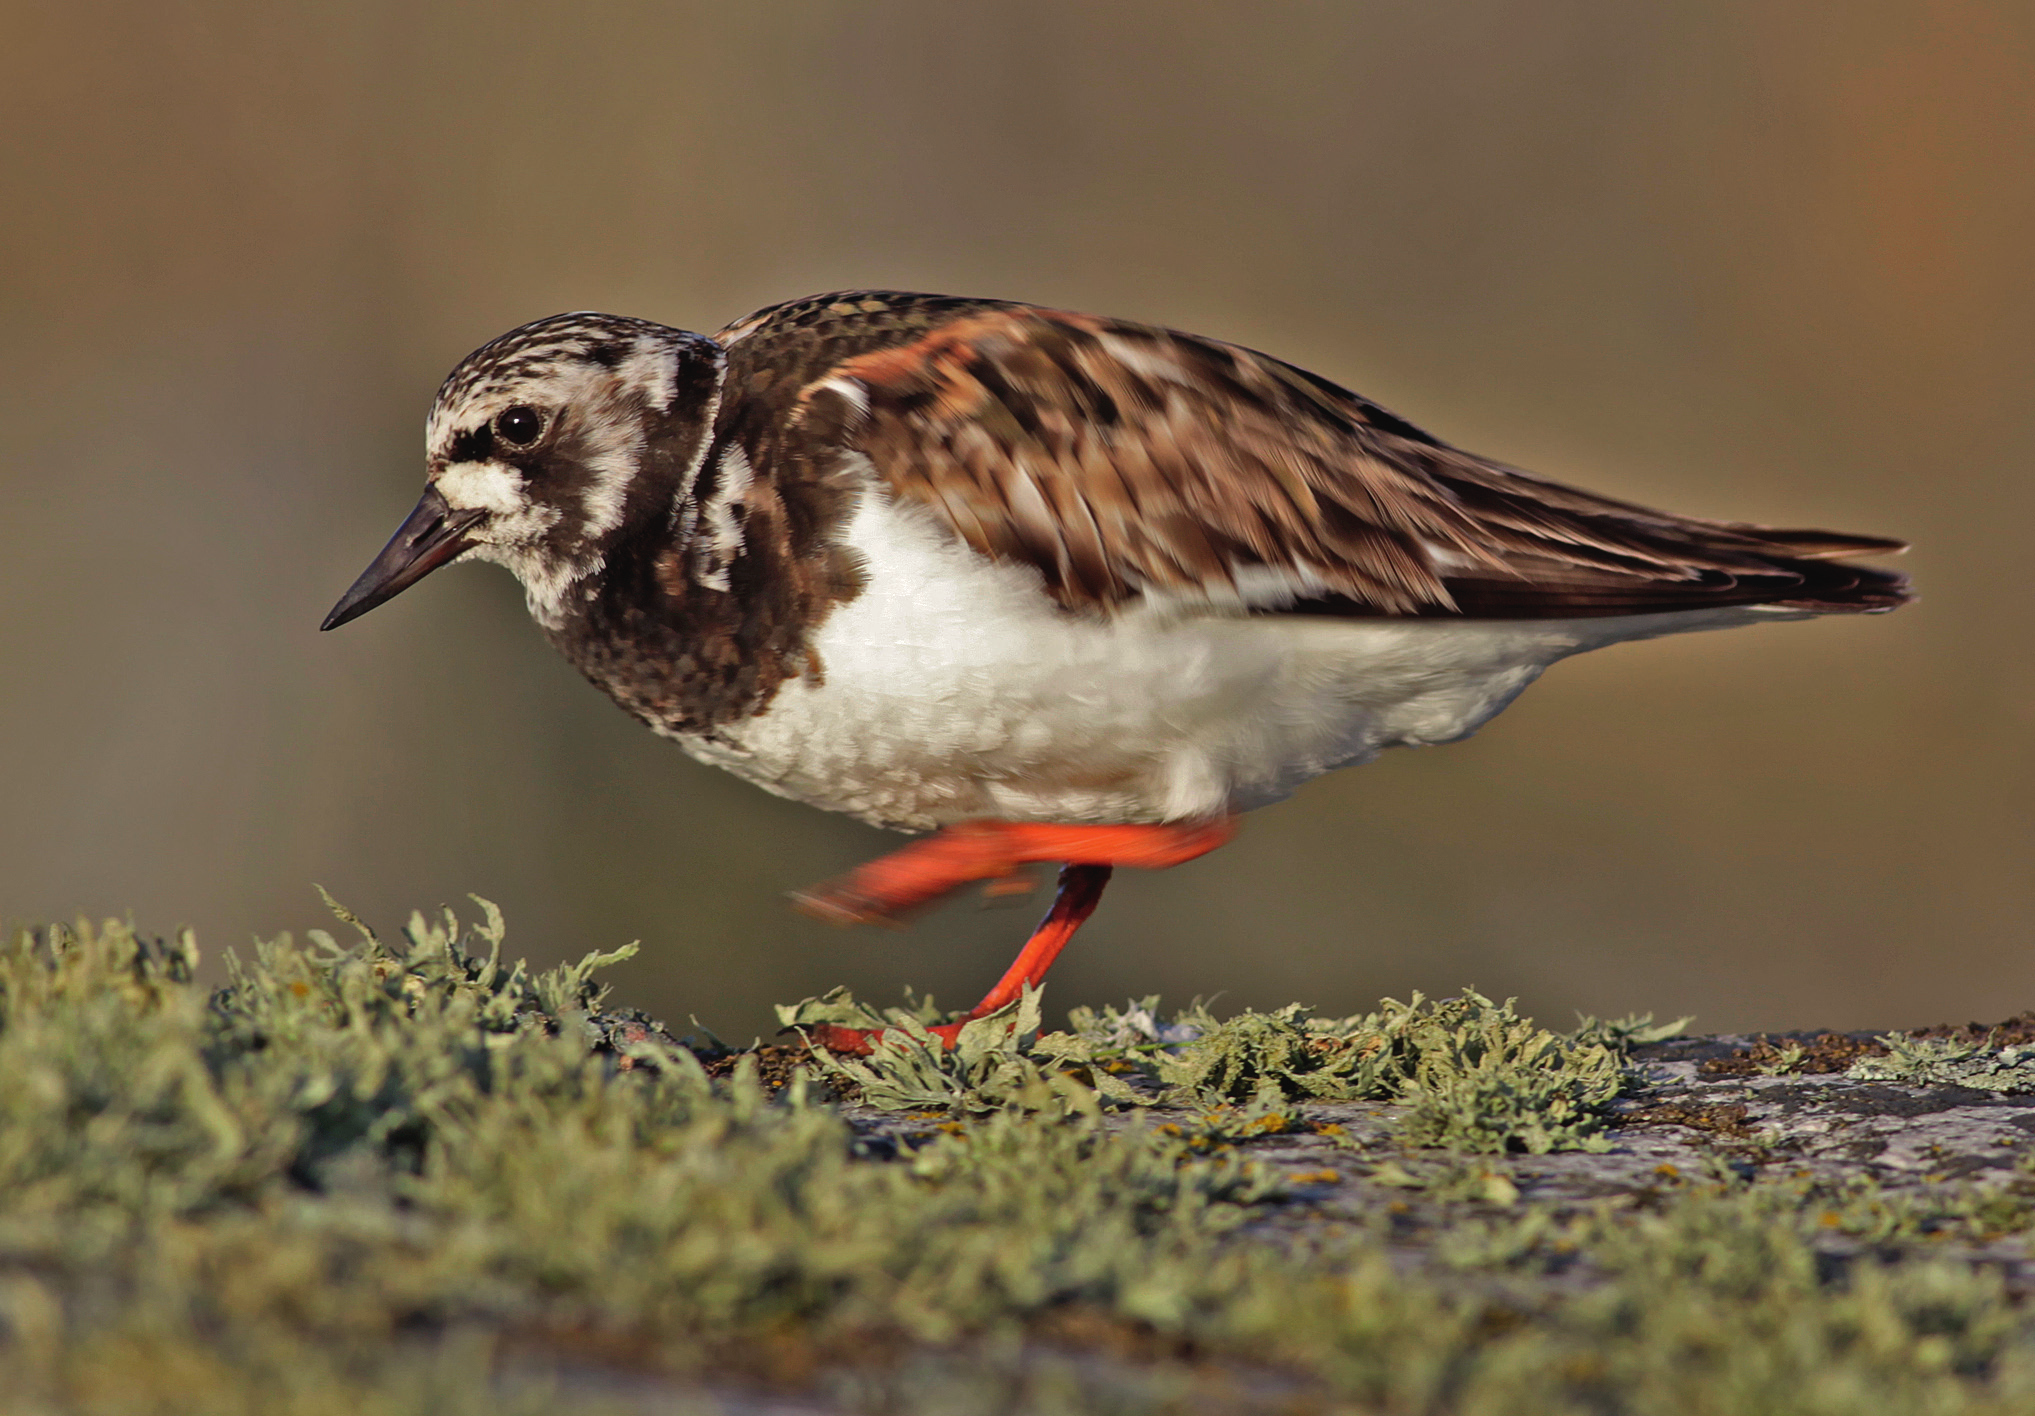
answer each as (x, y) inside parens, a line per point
(1049, 586)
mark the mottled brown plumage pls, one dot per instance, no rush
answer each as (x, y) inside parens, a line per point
(1121, 459)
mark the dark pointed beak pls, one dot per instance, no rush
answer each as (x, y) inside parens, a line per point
(430, 535)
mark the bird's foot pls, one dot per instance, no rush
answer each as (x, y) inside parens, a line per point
(1079, 893)
(860, 1042)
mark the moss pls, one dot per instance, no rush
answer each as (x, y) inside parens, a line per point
(410, 1176)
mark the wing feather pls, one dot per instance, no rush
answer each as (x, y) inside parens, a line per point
(1124, 461)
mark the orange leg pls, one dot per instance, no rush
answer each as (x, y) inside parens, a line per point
(989, 850)
(1079, 893)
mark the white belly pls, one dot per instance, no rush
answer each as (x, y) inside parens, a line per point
(953, 687)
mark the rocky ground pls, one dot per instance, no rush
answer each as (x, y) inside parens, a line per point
(1707, 1108)
(414, 1176)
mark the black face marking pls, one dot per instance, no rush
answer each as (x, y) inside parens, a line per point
(472, 445)
(619, 591)
(520, 425)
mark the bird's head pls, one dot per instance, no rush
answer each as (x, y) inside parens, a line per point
(545, 445)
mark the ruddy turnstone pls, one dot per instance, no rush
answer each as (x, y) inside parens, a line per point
(1049, 586)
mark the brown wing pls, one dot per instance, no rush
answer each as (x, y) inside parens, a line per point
(1123, 460)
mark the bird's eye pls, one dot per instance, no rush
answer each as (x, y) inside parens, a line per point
(519, 425)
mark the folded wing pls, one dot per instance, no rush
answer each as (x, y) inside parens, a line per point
(1127, 462)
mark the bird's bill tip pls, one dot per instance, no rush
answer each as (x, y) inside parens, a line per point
(432, 534)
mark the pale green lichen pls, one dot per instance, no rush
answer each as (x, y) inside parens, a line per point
(1788, 1059)
(1478, 1077)
(1478, 1181)
(1472, 1074)
(351, 1142)
(840, 1008)
(1263, 1057)
(996, 1063)
(1621, 1035)
(410, 1177)
(1924, 1061)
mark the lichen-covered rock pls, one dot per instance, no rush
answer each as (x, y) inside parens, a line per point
(414, 1176)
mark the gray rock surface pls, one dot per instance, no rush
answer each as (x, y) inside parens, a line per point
(1703, 1108)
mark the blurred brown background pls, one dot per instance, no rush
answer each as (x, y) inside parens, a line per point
(1755, 260)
